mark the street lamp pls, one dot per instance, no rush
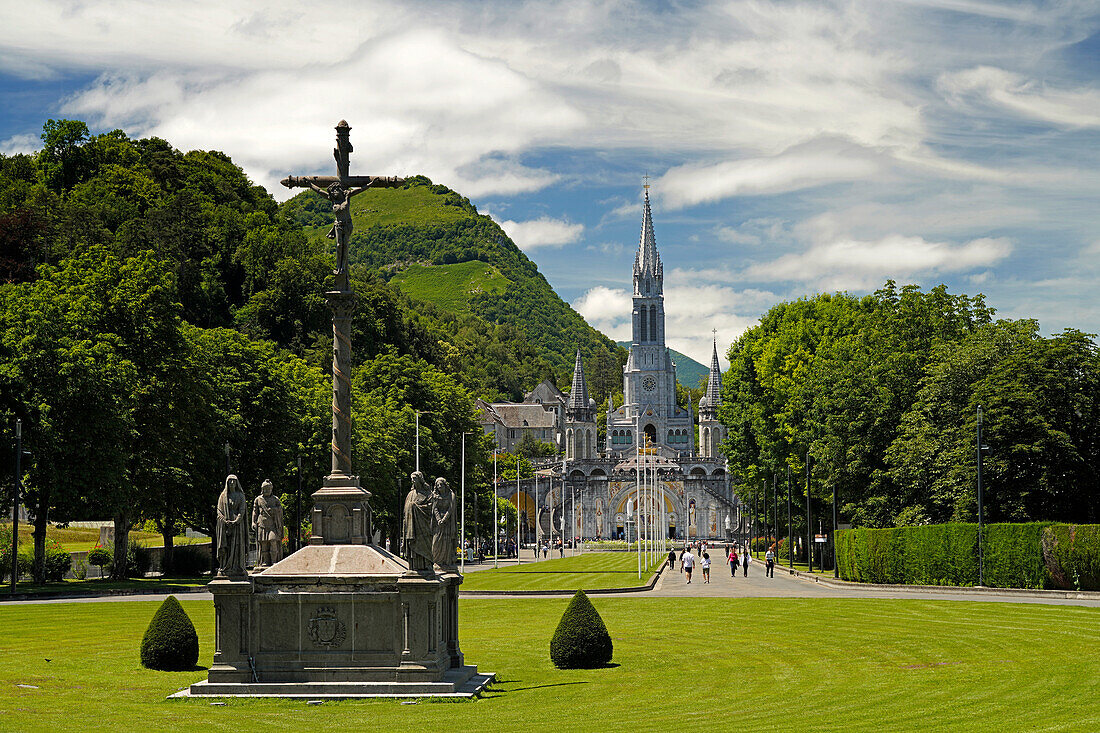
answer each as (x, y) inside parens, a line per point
(496, 523)
(15, 504)
(809, 538)
(981, 513)
(298, 509)
(227, 468)
(462, 543)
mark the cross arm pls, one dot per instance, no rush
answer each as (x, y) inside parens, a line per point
(358, 181)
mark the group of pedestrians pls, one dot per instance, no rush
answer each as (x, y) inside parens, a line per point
(734, 559)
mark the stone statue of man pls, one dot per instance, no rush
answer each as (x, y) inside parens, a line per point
(417, 533)
(267, 523)
(444, 534)
(232, 529)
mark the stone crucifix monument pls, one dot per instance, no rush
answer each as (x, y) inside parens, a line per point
(342, 617)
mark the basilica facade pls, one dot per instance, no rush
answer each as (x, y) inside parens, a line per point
(648, 467)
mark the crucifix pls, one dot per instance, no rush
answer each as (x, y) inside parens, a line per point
(339, 190)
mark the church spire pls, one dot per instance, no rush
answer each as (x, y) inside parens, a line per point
(712, 398)
(578, 404)
(648, 268)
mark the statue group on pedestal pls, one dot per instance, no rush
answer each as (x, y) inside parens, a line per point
(430, 536)
(233, 525)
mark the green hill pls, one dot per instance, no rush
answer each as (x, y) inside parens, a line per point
(434, 245)
(689, 372)
(451, 286)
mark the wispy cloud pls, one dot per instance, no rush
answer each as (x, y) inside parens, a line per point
(542, 232)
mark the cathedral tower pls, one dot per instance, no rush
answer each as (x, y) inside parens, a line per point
(649, 377)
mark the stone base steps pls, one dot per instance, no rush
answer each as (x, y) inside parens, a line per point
(463, 682)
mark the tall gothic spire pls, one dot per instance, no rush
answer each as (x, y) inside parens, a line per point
(648, 260)
(712, 398)
(577, 404)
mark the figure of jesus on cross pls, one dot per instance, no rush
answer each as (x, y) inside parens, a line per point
(339, 190)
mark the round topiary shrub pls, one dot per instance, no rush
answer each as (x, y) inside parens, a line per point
(170, 643)
(581, 640)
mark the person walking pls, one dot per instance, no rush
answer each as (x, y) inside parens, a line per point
(769, 567)
(733, 560)
(687, 563)
(706, 567)
(745, 559)
(672, 559)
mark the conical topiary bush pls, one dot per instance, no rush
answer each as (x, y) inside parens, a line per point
(170, 643)
(581, 639)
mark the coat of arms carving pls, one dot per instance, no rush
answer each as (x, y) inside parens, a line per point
(326, 629)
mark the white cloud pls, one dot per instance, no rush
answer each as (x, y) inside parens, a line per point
(607, 310)
(1026, 97)
(542, 232)
(696, 183)
(853, 264)
(20, 144)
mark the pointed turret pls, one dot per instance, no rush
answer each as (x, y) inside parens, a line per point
(711, 431)
(648, 268)
(580, 417)
(578, 394)
(712, 398)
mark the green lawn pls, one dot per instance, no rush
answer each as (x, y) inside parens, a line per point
(95, 585)
(450, 286)
(741, 663)
(82, 539)
(588, 571)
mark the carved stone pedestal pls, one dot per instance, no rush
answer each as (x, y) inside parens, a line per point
(338, 621)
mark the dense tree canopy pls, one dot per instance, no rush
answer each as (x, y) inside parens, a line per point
(881, 393)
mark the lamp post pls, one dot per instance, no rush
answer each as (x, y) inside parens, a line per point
(790, 531)
(496, 523)
(981, 514)
(836, 570)
(15, 504)
(228, 470)
(462, 543)
(809, 531)
(518, 502)
(775, 513)
(298, 509)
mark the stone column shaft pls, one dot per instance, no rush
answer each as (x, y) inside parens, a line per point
(342, 303)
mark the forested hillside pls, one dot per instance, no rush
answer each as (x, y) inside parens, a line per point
(882, 392)
(158, 309)
(434, 244)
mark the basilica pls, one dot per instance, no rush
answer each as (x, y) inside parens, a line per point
(650, 440)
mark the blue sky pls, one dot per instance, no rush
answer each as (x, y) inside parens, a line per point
(792, 147)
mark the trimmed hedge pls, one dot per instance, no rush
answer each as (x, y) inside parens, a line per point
(1072, 555)
(947, 554)
(170, 642)
(581, 640)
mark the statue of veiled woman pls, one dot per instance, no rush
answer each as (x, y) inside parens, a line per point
(417, 532)
(232, 529)
(444, 534)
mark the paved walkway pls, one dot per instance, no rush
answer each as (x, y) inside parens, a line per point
(786, 585)
(673, 584)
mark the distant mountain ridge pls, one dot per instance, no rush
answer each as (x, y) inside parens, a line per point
(688, 371)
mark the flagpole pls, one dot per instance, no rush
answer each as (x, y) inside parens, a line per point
(462, 544)
(518, 501)
(496, 522)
